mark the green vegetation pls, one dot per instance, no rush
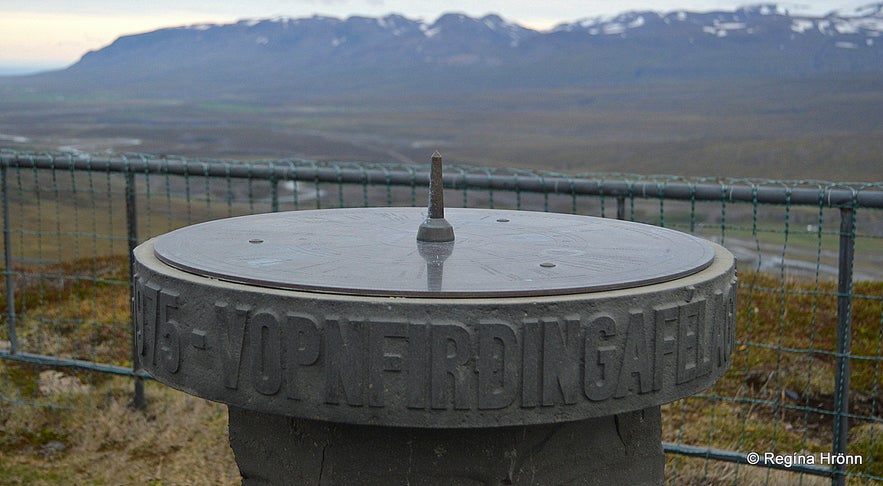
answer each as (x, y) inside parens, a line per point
(67, 426)
(779, 391)
(99, 439)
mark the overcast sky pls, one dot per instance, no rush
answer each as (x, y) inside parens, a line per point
(41, 34)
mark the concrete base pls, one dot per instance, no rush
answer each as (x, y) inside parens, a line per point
(619, 449)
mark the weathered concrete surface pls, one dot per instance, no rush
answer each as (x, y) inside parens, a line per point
(618, 450)
(418, 362)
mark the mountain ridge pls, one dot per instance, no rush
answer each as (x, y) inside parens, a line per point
(285, 58)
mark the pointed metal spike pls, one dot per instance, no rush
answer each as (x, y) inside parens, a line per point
(435, 228)
(436, 188)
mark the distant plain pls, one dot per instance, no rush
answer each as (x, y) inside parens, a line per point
(827, 127)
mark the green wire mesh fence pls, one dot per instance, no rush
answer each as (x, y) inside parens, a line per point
(803, 391)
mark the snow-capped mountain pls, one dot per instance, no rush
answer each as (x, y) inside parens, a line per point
(300, 57)
(863, 27)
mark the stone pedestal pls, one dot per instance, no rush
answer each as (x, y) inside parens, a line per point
(621, 449)
(533, 349)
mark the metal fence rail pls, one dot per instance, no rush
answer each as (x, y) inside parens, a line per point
(809, 328)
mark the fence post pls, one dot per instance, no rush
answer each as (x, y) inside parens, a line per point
(842, 367)
(274, 191)
(132, 237)
(620, 207)
(7, 264)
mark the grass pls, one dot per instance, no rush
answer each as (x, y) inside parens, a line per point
(61, 426)
(100, 439)
(779, 393)
(68, 426)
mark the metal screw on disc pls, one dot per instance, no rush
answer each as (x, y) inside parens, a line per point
(372, 251)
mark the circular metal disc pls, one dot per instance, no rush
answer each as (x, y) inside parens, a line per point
(374, 251)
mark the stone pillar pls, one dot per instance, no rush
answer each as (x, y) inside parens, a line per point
(622, 449)
(539, 354)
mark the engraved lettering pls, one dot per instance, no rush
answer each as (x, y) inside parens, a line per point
(344, 362)
(198, 339)
(635, 358)
(232, 322)
(561, 360)
(141, 311)
(417, 369)
(602, 359)
(494, 360)
(709, 340)
(306, 343)
(137, 316)
(689, 318)
(496, 366)
(381, 358)
(449, 354)
(721, 341)
(666, 319)
(530, 363)
(150, 306)
(266, 355)
(303, 348)
(703, 352)
(715, 358)
(169, 342)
